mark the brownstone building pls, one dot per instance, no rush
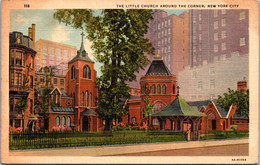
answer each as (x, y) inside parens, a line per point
(21, 74)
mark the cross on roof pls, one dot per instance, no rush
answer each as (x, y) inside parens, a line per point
(82, 34)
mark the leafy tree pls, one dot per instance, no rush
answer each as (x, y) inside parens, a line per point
(44, 92)
(148, 106)
(119, 44)
(240, 99)
(22, 102)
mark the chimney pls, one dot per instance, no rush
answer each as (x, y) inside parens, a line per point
(30, 32)
(33, 34)
(241, 86)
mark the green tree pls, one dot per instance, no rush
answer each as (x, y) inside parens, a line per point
(119, 44)
(22, 102)
(240, 99)
(44, 93)
(148, 106)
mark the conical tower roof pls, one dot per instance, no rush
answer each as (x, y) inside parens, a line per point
(82, 55)
(178, 107)
(158, 67)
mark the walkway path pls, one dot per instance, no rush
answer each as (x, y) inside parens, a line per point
(125, 149)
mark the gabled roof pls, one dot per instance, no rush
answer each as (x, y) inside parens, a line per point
(62, 109)
(178, 108)
(237, 116)
(199, 104)
(82, 55)
(222, 112)
(57, 90)
(158, 67)
(88, 112)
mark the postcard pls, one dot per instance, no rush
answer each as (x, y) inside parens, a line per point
(139, 82)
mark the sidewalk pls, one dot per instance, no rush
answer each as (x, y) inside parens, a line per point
(125, 149)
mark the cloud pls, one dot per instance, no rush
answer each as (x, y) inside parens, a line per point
(60, 34)
(21, 19)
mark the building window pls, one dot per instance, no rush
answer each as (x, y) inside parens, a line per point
(223, 34)
(18, 79)
(68, 121)
(159, 43)
(200, 85)
(223, 46)
(42, 79)
(63, 121)
(35, 79)
(159, 26)
(90, 99)
(215, 36)
(199, 16)
(11, 105)
(211, 70)
(159, 35)
(133, 119)
(86, 98)
(169, 31)
(31, 106)
(18, 58)
(82, 99)
(164, 89)
(215, 48)
(169, 40)
(55, 81)
(223, 22)
(72, 72)
(242, 41)
(158, 89)
(62, 81)
(65, 54)
(200, 26)
(153, 89)
(215, 13)
(12, 58)
(169, 22)
(86, 72)
(242, 15)
(12, 78)
(173, 89)
(155, 121)
(212, 84)
(157, 107)
(200, 37)
(169, 49)
(215, 24)
(57, 121)
(223, 11)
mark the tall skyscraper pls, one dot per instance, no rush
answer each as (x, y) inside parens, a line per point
(169, 35)
(217, 34)
(54, 54)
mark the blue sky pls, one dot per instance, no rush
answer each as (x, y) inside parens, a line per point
(50, 29)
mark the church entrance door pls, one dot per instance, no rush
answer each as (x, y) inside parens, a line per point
(85, 123)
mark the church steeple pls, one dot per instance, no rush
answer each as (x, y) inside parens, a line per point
(82, 55)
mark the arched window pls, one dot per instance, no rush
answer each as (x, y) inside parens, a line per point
(57, 121)
(158, 89)
(82, 99)
(63, 121)
(133, 119)
(164, 89)
(72, 72)
(68, 121)
(90, 99)
(86, 72)
(86, 97)
(158, 106)
(155, 121)
(153, 89)
(173, 89)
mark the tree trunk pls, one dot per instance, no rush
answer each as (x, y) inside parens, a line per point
(108, 126)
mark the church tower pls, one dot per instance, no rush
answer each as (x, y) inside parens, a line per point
(81, 86)
(162, 85)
